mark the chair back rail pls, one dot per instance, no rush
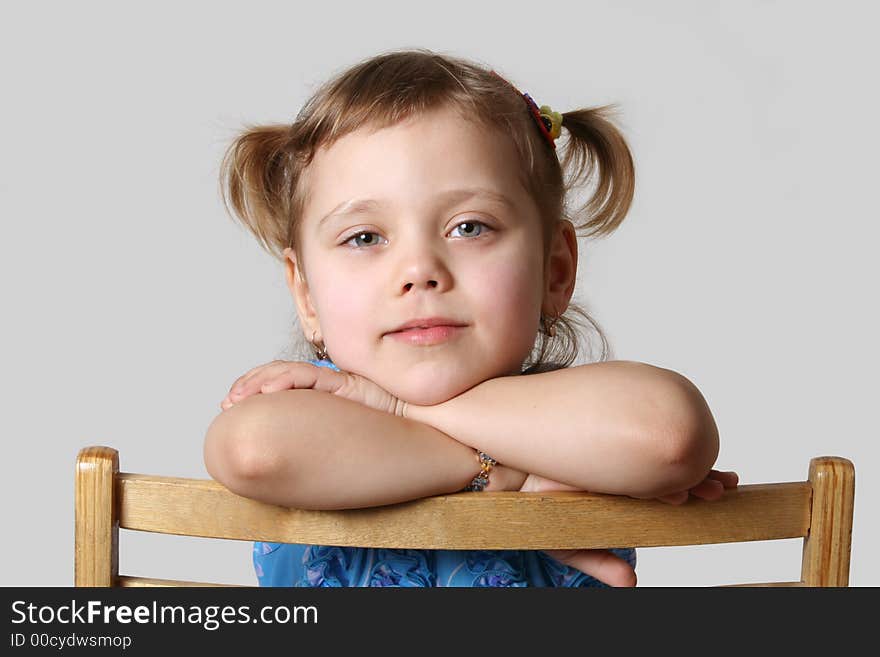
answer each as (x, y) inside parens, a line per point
(819, 510)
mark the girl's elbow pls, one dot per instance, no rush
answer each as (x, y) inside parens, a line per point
(693, 459)
(238, 458)
(694, 443)
(682, 466)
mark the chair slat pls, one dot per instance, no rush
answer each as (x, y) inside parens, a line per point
(764, 584)
(129, 581)
(474, 521)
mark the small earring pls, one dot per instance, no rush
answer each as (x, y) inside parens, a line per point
(549, 327)
(320, 352)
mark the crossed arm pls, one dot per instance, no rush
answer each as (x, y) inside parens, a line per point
(617, 427)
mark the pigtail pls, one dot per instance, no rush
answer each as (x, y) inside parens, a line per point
(598, 155)
(255, 184)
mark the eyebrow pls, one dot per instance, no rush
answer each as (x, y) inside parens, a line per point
(363, 205)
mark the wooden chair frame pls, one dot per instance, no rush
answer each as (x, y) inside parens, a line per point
(820, 510)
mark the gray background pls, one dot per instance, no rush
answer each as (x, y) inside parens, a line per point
(131, 301)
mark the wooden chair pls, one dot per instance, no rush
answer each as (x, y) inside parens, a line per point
(820, 510)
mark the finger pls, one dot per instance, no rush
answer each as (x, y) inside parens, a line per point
(240, 380)
(331, 381)
(290, 379)
(604, 565)
(305, 375)
(252, 383)
(258, 375)
(728, 479)
(675, 498)
(538, 484)
(708, 489)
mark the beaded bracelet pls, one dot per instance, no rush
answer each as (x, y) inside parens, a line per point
(482, 479)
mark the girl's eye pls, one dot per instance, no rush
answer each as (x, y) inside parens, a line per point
(473, 228)
(469, 229)
(357, 236)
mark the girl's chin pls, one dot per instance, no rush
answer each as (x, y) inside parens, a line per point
(430, 399)
(424, 390)
(431, 394)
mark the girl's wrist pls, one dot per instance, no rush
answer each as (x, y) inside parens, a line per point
(501, 478)
(505, 478)
(414, 412)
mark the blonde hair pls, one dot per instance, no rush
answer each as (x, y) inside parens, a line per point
(264, 172)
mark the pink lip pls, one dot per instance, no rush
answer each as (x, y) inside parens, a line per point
(426, 336)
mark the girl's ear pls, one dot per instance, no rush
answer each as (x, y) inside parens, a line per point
(560, 275)
(299, 290)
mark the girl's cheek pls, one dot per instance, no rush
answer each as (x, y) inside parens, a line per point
(353, 318)
(512, 299)
(515, 287)
(351, 311)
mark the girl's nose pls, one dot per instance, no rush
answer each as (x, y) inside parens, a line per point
(425, 271)
(430, 284)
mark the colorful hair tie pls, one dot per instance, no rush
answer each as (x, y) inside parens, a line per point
(549, 122)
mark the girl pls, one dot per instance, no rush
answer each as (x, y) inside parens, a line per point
(418, 204)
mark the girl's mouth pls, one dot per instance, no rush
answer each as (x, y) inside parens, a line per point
(424, 337)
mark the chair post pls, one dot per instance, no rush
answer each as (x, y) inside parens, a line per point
(826, 552)
(96, 541)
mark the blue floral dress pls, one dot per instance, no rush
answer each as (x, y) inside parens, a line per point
(288, 564)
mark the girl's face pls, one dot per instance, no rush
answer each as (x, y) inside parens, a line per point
(448, 232)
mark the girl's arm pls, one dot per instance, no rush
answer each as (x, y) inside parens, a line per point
(620, 428)
(617, 427)
(312, 450)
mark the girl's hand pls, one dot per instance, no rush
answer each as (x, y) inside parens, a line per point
(604, 565)
(711, 488)
(289, 375)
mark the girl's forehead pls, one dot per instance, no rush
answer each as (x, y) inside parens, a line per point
(443, 131)
(445, 119)
(438, 150)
